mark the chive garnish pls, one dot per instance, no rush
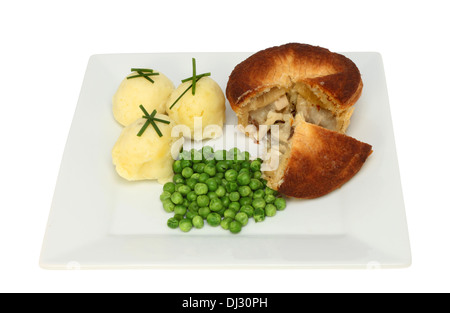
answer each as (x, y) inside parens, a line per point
(194, 76)
(134, 69)
(143, 72)
(198, 77)
(180, 97)
(151, 121)
(142, 75)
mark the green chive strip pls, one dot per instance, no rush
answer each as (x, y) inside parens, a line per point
(155, 127)
(146, 77)
(198, 77)
(194, 76)
(180, 97)
(147, 122)
(144, 110)
(151, 120)
(134, 69)
(143, 75)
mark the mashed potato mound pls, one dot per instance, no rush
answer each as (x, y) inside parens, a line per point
(136, 91)
(148, 156)
(208, 103)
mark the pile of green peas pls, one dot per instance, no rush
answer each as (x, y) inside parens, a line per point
(223, 187)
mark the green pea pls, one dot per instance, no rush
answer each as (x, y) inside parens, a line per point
(180, 209)
(176, 166)
(201, 189)
(178, 179)
(203, 200)
(185, 225)
(172, 223)
(235, 227)
(244, 191)
(236, 167)
(176, 197)
(231, 186)
(231, 175)
(258, 203)
(199, 167)
(257, 174)
(185, 155)
(190, 215)
(195, 176)
(244, 170)
(193, 207)
(220, 155)
(186, 163)
(229, 162)
(184, 190)
(204, 211)
(280, 203)
(207, 150)
(229, 213)
(247, 209)
(196, 156)
(165, 195)
(255, 165)
(215, 205)
(259, 215)
(242, 218)
(245, 201)
(168, 205)
(247, 157)
(197, 221)
(225, 223)
(220, 191)
(221, 167)
(191, 182)
(212, 184)
(178, 217)
(255, 184)
(234, 196)
(220, 175)
(270, 191)
(212, 195)
(235, 206)
(225, 201)
(185, 202)
(210, 169)
(187, 172)
(203, 177)
(243, 179)
(213, 219)
(221, 211)
(258, 194)
(270, 198)
(169, 187)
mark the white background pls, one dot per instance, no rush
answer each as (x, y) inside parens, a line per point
(44, 53)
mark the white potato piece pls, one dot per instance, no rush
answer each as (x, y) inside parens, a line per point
(148, 156)
(136, 91)
(208, 104)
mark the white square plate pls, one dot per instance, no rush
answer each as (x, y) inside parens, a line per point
(98, 220)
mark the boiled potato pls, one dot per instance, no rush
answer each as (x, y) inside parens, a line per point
(148, 156)
(136, 91)
(208, 103)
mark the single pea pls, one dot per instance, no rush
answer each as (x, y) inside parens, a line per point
(178, 179)
(203, 212)
(187, 172)
(186, 163)
(212, 184)
(255, 184)
(231, 175)
(225, 201)
(191, 182)
(243, 179)
(242, 218)
(255, 165)
(215, 205)
(225, 223)
(185, 155)
(245, 165)
(235, 227)
(221, 211)
(224, 182)
(176, 166)
(201, 189)
(184, 190)
(180, 209)
(259, 215)
(168, 205)
(244, 191)
(270, 191)
(169, 187)
(220, 175)
(234, 196)
(208, 157)
(245, 201)
(258, 194)
(220, 191)
(236, 167)
(269, 198)
(203, 177)
(247, 209)
(229, 213)
(165, 195)
(258, 203)
(213, 219)
(185, 225)
(231, 186)
(244, 170)
(221, 167)
(203, 201)
(199, 167)
(270, 210)
(195, 176)
(177, 186)
(185, 202)
(172, 223)
(212, 195)
(176, 197)
(197, 221)
(196, 156)
(207, 150)
(220, 155)
(257, 174)
(193, 207)
(210, 169)
(190, 215)
(280, 203)
(178, 217)
(235, 206)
